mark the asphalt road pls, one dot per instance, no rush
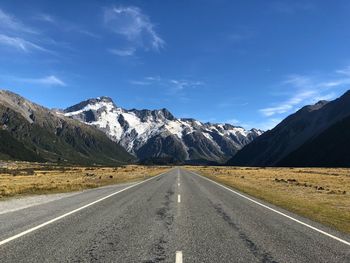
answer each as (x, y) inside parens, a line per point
(175, 217)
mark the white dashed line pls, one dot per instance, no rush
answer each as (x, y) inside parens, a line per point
(179, 198)
(178, 258)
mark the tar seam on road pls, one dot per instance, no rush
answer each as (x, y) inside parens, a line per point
(276, 211)
(2, 242)
(178, 258)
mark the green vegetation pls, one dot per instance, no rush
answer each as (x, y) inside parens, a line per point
(56, 140)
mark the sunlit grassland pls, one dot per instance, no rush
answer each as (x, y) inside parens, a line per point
(321, 194)
(30, 178)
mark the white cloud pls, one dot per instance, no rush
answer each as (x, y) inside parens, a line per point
(171, 86)
(19, 36)
(155, 78)
(233, 121)
(46, 18)
(345, 71)
(264, 125)
(241, 33)
(182, 84)
(131, 23)
(140, 82)
(87, 33)
(46, 81)
(289, 104)
(63, 25)
(9, 22)
(269, 124)
(123, 52)
(20, 44)
(290, 7)
(309, 89)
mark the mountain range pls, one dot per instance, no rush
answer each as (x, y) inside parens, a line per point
(155, 135)
(316, 135)
(31, 132)
(97, 131)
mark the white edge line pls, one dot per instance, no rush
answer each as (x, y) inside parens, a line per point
(2, 242)
(276, 211)
(178, 258)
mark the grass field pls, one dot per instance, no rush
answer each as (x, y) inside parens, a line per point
(320, 194)
(30, 178)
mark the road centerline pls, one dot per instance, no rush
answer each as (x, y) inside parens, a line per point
(178, 257)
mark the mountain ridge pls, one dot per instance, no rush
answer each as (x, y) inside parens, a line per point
(50, 136)
(293, 132)
(159, 134)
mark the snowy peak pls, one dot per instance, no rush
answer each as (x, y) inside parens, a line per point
(157, 133)
(95, 103)
(157, 115)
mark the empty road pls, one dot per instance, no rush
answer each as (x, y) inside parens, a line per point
(175, 217)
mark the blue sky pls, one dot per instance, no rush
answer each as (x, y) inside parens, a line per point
(249, 63)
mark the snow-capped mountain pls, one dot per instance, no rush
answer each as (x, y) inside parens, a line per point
(158, 134)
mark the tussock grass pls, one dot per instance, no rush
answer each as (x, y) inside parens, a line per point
(30, 178)
(321, 194)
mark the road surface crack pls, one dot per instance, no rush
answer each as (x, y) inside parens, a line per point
(263, 256)
(164, 215)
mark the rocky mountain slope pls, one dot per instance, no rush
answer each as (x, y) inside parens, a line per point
(314, 136)
(31, 132)
(329, 149)
(157, 134)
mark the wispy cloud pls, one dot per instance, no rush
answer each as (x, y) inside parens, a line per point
(264, 125)
(241, 34)
(140, 82)
(9, 22)
(169, 86)
(289, 104)
(267, 124)
(123, 52)
(172, 85)
(290, 7)
(182, 84)
(308, 89)
(20, 44)
(64, 25)
(15, 34)
(233, 122)
(46, 18)
(45, 81)
(130, 22)
(344, 71)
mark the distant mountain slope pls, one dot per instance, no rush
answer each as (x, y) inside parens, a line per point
(304, 125)
(10, 148)
(329, 149)
(46, 135)
(157, 134)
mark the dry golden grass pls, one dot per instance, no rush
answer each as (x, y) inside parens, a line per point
(29, 178)
(320, 194)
